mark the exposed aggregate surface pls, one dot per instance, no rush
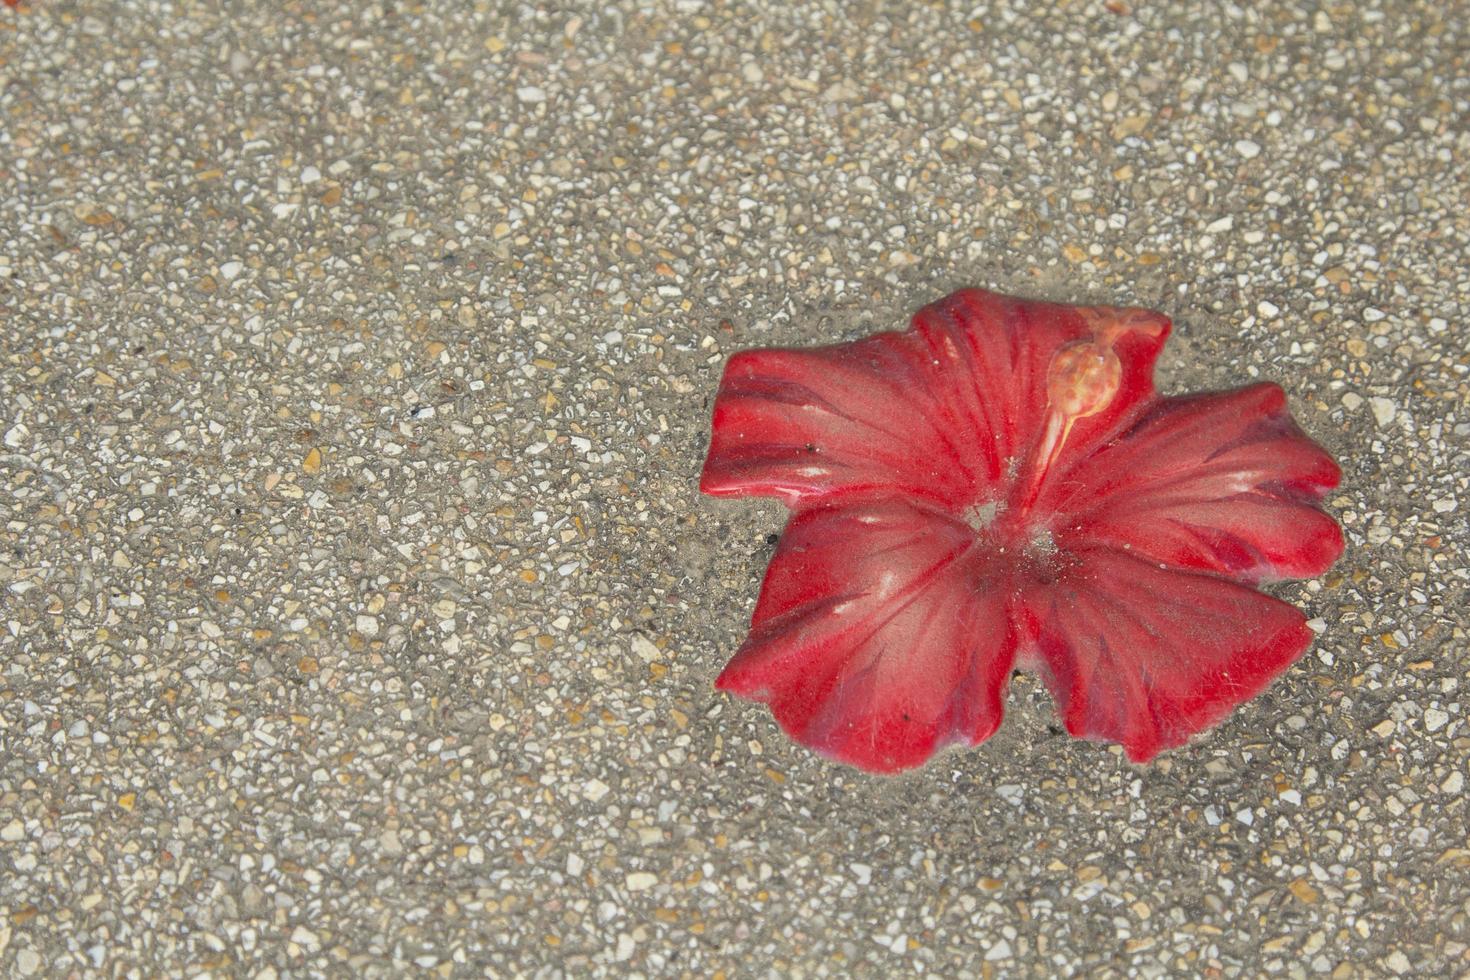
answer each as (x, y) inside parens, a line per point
(358, 611)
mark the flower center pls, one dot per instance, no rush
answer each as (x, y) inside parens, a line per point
(1021, 547)
(980, 516)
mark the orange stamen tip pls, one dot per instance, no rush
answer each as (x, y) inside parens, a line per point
(1083, 379)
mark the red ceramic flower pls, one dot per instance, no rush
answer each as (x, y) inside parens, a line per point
(1001, 486)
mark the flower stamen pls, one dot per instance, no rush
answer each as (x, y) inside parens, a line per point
(1083, 379)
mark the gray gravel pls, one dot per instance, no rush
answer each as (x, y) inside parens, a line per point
(358, 612)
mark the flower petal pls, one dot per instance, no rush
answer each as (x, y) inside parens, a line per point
(810, 423)
(940, 412)
(1223, 482)
(1147, 657)
(880, 636)
(995, 354)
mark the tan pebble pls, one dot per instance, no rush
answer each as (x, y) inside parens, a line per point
(1304, 891)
